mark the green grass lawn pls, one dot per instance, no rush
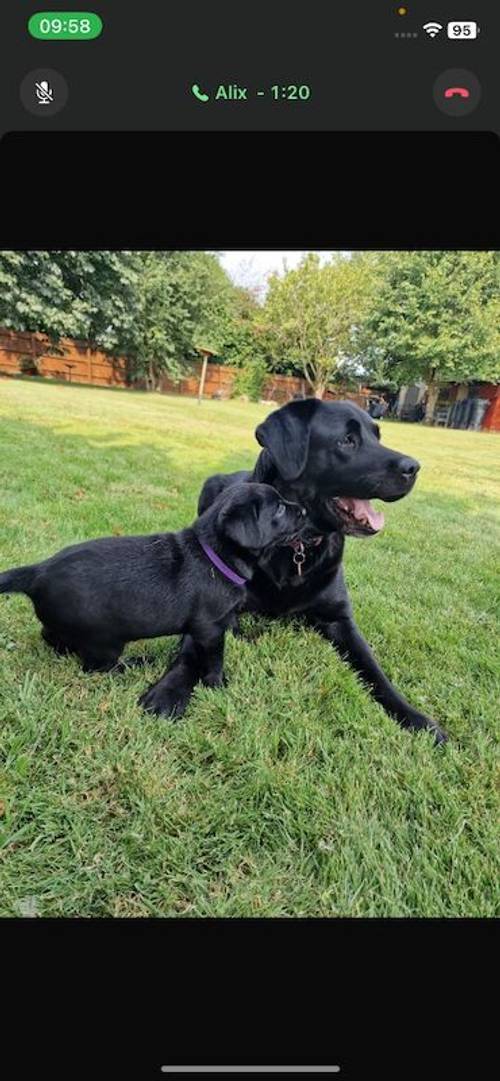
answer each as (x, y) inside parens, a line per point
(290, 792)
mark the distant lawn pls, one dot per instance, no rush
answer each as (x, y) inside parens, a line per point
(290, 792)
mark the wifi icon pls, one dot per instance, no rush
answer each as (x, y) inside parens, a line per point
(432, 29)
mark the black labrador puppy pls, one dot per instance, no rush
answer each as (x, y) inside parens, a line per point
(328, 457)
(94, 597)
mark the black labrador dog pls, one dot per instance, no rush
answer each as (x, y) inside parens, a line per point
(94, 597)
(328, 457)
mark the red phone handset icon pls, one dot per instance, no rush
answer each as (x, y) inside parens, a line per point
(460, 90)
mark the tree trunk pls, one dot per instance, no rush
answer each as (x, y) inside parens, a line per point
(432, 397)
(319, 390)
(151, 376)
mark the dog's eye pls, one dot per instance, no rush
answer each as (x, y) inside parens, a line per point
(281, 510)
(347, 441)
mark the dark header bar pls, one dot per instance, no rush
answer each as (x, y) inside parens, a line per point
(276, 66)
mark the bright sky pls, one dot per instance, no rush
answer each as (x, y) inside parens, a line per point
(251, 268)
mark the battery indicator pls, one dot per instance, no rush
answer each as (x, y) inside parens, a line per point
(463, 31)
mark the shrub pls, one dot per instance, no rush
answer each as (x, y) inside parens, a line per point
(250, 379)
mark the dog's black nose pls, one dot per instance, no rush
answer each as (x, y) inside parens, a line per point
(408, 467)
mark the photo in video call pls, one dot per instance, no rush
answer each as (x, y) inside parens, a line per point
(226, 475)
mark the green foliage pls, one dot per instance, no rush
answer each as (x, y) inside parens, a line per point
(435, 316)
(242, 336)
(88, 295)
(251, 378)
(187, 302)
(311, 314)
(180, 302)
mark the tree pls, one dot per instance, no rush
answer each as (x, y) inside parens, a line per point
(242, 338)
(87, 295)
(311, 315)
(216, 301)
(435, 318)
(183, 303)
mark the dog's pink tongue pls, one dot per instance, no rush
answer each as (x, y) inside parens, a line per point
(362, 511)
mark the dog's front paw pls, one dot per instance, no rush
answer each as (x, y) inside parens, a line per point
(440, 736)
(215, 679)
(165, 701)
(421, 723)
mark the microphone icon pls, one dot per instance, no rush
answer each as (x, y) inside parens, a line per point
(44, 92)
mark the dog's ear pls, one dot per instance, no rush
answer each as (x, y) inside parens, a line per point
(239, 522)
(285, 434)
(239, 517)
(242, 527)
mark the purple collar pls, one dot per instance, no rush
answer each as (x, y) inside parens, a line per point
(221, 566)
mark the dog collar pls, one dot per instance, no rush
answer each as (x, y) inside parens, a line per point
(228, 572)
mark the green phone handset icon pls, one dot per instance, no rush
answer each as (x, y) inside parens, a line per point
(199, 93)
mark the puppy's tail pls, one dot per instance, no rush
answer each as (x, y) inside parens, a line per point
(17, 580)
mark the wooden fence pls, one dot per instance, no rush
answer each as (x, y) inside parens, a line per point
(22, 352)
(220, 380)
(31, 354)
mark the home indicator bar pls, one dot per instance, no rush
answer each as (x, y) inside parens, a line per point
(251, 1069)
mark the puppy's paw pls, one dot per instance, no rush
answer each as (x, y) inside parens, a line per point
(130, 662)
(165, 701)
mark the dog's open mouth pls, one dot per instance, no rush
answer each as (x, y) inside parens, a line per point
(357, 515)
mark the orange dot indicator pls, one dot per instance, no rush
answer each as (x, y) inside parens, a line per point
(402, 11)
